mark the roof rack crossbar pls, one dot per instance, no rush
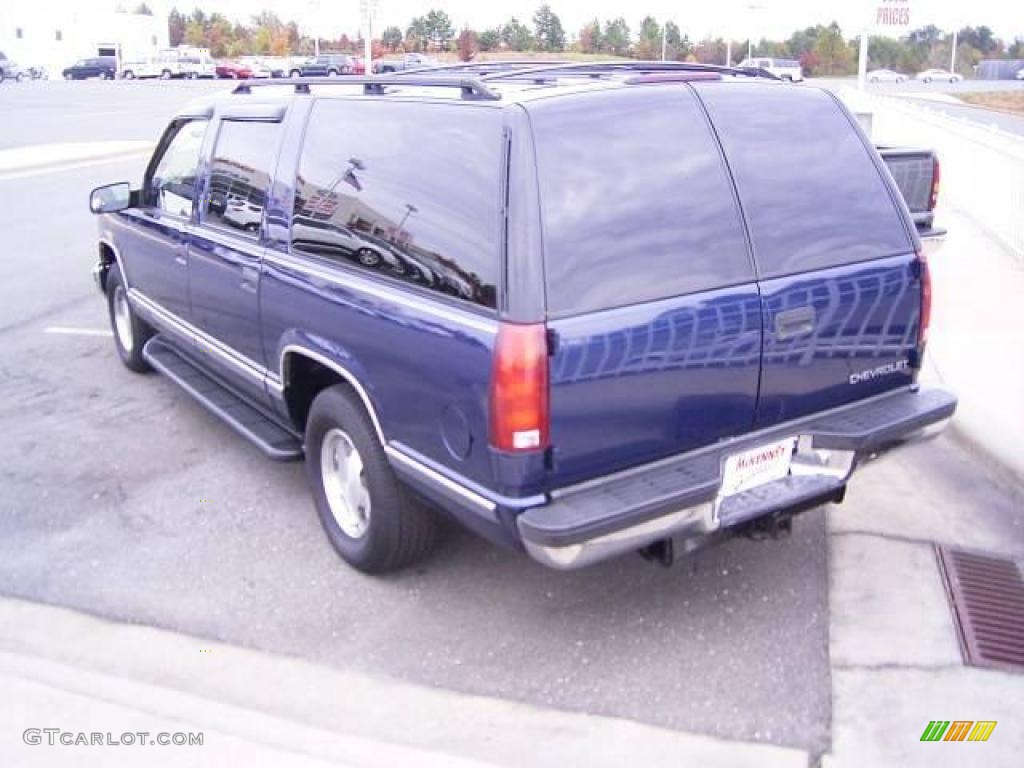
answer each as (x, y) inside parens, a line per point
(471, 88)
(600, 68)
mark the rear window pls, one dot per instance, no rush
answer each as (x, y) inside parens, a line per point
(812, 195)
(635, 200)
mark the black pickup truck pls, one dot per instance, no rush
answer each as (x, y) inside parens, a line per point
(916, 173)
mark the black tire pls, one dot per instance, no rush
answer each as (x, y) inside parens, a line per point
(399, 531)
(332, 73)
(368, 257)
(295, 73)
(128, 75)
(165, 74)
(129, 350)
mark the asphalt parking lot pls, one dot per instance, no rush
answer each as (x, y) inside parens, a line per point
(125, 499)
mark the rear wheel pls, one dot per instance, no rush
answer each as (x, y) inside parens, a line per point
(369, 518)
(332, 73)
(165, 75)
(295, 73)
(130, 332)
(129, 75)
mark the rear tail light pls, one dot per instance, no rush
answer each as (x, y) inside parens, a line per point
(933, 198)
(926, 299)
(519, 389)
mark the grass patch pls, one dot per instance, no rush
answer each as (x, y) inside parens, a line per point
(1004, 101)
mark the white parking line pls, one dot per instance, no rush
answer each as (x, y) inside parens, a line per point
(79, 331)
(70, 166)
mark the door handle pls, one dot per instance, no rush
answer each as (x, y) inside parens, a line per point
(794, 322)
(181, 260)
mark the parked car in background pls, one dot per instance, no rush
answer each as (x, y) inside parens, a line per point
(196, 63)
(885, 76)
(557, 394)
(103, 67)
(1020, 74)
(784, 69)
(941, 75)
(408, 61)
(260, 67)
(233, 70)
(359, 68)
(324, 65)
(141, 69)
(8, 69)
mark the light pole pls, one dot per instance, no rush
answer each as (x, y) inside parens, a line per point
(952, 56)
(409, 210)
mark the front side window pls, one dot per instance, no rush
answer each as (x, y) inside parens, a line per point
(171, 186)
(240, 173)
(405, 191)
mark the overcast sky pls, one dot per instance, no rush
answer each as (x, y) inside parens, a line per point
(740, 18)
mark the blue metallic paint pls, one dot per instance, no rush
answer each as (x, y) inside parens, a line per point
(638, 383)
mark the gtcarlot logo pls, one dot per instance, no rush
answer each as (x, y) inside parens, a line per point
(57, 737)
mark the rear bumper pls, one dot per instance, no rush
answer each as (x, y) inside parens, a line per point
(681, 497)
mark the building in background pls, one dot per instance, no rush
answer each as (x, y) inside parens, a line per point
(56, 33)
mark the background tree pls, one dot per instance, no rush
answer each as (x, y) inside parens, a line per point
(648, 45)
(391, 37)
(439, 29)
(490, 39)
(616, 39)
(467, 45)
(590, 39)
(416, 36)
(832, 52)
(548, 30)
(143, 10)
(516, 36)
(176, 22)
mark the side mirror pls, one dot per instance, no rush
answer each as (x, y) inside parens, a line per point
(111, 198)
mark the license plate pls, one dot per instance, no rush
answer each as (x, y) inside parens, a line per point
(757, 466)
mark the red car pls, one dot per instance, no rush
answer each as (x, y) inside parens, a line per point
(359, 69)
(233, 70)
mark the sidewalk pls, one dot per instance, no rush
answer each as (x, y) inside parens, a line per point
(62, 669)
(976, 341)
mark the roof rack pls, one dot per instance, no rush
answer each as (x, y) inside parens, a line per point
(598, 69)
(471, 88)
(477, 67)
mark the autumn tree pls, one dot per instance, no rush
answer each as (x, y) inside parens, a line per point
(548, 30)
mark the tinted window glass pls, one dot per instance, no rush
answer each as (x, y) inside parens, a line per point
(410, 191)
(172, 184)
(635, 200)
(240, 175)
(812, 195)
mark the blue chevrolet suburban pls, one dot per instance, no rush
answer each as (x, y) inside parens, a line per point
(582, 309)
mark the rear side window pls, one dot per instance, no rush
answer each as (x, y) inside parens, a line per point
(240, 173)
(635, 201)
(812, 195)
(405, 191)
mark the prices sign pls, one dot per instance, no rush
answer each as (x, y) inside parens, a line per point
(891, 14)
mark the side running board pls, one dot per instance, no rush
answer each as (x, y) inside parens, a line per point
(274, 440)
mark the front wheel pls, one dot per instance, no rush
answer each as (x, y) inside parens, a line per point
(165, 75)
(130, 332)
(369, 518)
(295, 73)
(368, 257)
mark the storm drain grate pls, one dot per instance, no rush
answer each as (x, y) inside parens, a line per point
(987, 597)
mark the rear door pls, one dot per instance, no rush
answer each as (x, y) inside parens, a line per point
(651, 293)
(839, 276)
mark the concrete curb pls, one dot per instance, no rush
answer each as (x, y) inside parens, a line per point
(316, 712)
